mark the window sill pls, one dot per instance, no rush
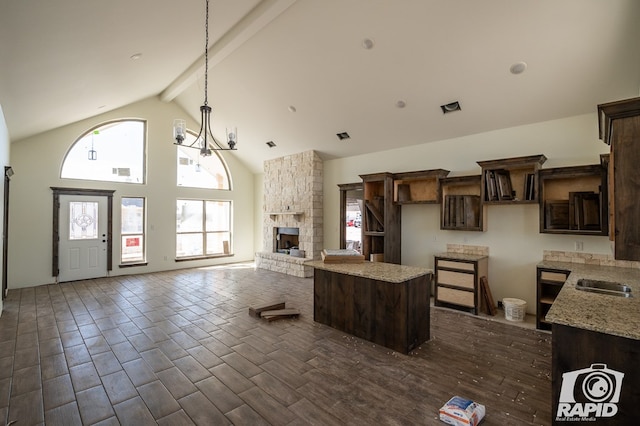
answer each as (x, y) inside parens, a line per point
(212, 256)
(133, 264)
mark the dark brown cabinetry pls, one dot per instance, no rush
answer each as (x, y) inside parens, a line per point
(461, 206)
(573, 200)
(511, 180)
(458, 280)
(549, 284)
(381, 218)
(619, 124)
(421, 187)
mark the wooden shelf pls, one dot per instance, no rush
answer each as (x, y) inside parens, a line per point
(511, 180)
(381, 218)
(420, 187)
(296, 215)
(573, 200)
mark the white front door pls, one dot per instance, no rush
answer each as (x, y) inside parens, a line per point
(83, 237)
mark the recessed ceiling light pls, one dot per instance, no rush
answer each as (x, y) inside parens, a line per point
(401, 104)
(271, 144)
(367, 43)
(450, 107)
(518, 67)
(136, 56)
(292, 108)
(343, 135)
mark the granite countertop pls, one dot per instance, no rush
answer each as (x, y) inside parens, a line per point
(461, 256)
(619, 316)
(388, 272)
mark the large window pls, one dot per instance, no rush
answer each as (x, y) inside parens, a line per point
(112, 152)
(203, 228)
(196, 171)
(132, 230)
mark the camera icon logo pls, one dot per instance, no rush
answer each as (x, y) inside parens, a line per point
(590, 392)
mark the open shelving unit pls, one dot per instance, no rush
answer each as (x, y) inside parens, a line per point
(421, 187)
(511, 180)
(573, 200)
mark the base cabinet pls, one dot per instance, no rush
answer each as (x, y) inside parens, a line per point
(595, 378)
(457, 279)
(549, 283)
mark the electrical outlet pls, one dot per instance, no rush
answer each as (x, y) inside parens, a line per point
(579, 246)
(500, 304)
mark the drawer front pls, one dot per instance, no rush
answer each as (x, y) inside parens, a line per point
(457, 297)
(553, 276)
(460, 279)
(456, 265)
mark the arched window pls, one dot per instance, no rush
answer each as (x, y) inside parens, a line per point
(196, 171)
(112, 152)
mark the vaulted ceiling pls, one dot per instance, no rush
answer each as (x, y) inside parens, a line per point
(297, 72)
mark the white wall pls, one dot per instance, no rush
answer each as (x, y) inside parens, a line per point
(37, 163)
(512, 231)
(4, 161)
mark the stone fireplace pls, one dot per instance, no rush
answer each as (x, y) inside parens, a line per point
(292, 203)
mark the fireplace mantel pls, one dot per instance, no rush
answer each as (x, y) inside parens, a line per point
(296, 215)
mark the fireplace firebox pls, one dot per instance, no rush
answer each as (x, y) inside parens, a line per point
(286, 239)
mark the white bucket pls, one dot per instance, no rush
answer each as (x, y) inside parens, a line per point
(514, 309)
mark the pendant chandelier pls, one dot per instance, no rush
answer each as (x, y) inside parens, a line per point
(205, 141)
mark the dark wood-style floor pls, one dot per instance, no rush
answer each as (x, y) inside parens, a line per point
(179, 347)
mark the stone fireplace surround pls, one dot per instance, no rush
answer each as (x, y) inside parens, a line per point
(293, 198)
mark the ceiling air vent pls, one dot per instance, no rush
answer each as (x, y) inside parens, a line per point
(271, 144)
(343, 135)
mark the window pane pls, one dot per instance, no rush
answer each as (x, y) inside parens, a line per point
(218, 242)
(218, 213)
(189, 245)
(200, 172)
(83, 220)
(98, 154)
(132, 215)
(132, 248)
(189, 216)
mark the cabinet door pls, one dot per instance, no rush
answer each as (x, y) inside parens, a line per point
(626, 148)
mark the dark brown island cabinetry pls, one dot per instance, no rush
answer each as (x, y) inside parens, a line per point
(383, 303)
(549, 283)
(573, 200)
(619, 124)
(458, 280)
(511, 180)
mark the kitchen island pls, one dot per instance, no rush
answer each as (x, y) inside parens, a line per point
(384, 303)
(595, 348)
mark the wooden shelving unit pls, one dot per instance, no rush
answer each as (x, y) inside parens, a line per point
(549, 284)
(461, 205)
(420, 187)
(381, 218)
(511, 180)
(573, 200)
(457, 280)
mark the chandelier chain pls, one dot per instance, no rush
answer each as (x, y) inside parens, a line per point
(206, 53)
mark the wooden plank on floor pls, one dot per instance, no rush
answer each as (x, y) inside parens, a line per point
(255, 311)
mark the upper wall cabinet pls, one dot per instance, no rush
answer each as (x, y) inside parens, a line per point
(511, 180)
(620, 127)
(573, 200)
(420, 187)
(461, 209)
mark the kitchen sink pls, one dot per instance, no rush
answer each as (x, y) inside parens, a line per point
(604, 287)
